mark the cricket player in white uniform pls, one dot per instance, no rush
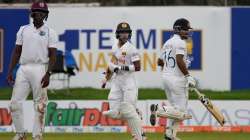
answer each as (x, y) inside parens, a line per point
(35, 51)
(176, 78)
(124, 92)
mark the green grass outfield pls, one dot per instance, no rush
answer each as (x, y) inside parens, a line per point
(100, 94)
(126, 136)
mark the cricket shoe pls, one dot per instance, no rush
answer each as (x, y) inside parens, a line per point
(153, 116)
(143, 137)
(20, 136)
(168, 138)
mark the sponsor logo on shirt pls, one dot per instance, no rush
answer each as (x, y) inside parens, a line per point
(42, 33)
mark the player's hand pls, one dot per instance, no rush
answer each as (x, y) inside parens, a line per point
(191, 83)
(103, 84)
(45, 80)
(103, 80)
(10, 79)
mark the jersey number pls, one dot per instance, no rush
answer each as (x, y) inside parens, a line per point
(169, 58)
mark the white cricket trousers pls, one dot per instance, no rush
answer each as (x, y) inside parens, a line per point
(122, 100)
(123, 89)
(28, 78)
(177, 93)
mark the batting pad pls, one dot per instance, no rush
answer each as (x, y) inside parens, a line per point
(129, 113)
(16, 109)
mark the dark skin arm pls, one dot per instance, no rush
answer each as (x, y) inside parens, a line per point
(181, 64)
(14, 60)
(137, 65)
(52, 60)
(109, 73)
(160, 63)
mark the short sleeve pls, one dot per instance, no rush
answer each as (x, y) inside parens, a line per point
(53, 39)
(135, 55)
(19, 36)
(161, 53)
(180, 47)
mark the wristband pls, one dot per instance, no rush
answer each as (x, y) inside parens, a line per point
(128, 68)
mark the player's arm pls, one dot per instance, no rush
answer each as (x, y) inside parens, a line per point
(160, 62)
(13, 61)
(16, 54)
(52, 45)
(181, 64)
(52, 60)
(180, 51)
(136, 66)
(15, 57)
(109, 72)
(52, 49)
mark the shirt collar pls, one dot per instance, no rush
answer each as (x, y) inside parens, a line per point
(33, 26)
(125, 44)
(177, 36)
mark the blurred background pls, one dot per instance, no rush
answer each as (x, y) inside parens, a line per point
(145, 2)
(219, 51)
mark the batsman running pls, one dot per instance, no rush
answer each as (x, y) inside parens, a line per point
(35, 51)
(176, 79)
(123, 95)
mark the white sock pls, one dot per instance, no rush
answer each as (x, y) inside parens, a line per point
(136, 127)
(128, 112)
(171, 128)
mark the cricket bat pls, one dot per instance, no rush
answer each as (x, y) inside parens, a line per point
(210, 107)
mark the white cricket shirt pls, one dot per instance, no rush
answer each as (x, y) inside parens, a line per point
(173, 46)
(35, 43)
(126, 55)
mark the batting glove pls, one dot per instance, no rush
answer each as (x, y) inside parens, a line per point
(191, 83)
(117, 69)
